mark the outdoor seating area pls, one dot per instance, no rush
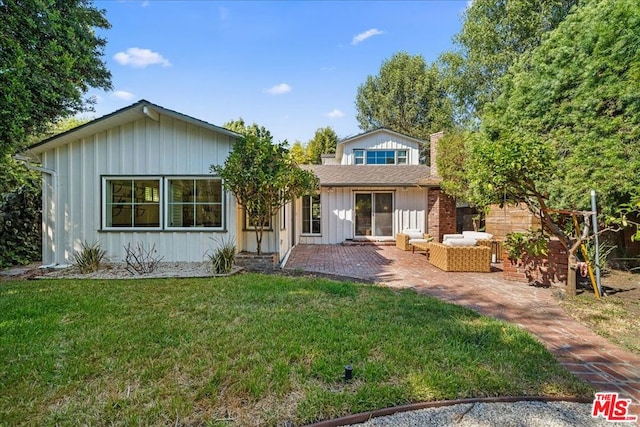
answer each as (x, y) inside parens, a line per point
(460, 258)
(410, 237)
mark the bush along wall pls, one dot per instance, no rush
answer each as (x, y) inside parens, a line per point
(20, 226)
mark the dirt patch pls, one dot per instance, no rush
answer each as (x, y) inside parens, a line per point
(616, 316)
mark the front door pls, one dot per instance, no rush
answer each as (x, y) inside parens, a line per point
(374, 214)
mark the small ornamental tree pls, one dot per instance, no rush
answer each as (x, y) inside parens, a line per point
(263, 178)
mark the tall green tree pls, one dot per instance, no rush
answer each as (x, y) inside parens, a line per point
(298, 153)
(50, 56)
(263, 178)
(407, 96)
(568, 118)
(239, 126)
(493, 36)
(324, 141)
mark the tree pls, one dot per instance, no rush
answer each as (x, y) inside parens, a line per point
(298, 153)
(50, 57)
(239, 126)
(567, 119)
(324, 141)
(263, 178)
(407, 96)
(494, 34)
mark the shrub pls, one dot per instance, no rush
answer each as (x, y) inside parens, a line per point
(141, 260)
(20, 226)
(532, 243)
(89, 258)
(223, 257)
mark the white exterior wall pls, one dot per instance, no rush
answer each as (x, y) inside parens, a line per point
(338, 213)
(381, 141)
(144, 147)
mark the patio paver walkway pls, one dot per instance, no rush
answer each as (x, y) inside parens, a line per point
(593, 358)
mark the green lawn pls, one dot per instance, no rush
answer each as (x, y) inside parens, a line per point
(250, 349)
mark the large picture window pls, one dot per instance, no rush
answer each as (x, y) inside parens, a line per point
(194, 203)
(133, 203)
(311, 214)
(157, 203)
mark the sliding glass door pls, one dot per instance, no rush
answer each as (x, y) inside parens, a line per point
(374, 214)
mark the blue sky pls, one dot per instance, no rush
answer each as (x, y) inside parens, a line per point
(290, 66)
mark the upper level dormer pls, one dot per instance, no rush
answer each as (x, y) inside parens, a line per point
(377, 147)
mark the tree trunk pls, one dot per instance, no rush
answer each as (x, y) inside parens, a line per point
(259, 239)
(571, 275)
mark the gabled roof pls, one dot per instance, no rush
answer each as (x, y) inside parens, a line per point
(380, 130)
(373, 175)
(340, 146)
(140, 109)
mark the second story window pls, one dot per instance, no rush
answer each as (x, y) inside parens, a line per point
(381, 157)
(358, 156)
(401, 157)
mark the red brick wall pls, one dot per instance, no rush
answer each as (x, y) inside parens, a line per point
(441, 218)
(542, 270)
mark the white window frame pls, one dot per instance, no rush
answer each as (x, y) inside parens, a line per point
(406, 157)
(163, 203)
(104, 205)
(359, 154)
(167, 209)
(310, 198)
(247, 226)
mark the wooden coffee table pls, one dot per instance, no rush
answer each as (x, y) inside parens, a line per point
(421, 246)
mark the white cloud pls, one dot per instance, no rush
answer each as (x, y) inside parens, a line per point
(363, 36)
(140, 58)
(122, 94)
(145, 3)
(328, 68)
(335, 114)
(278, 89)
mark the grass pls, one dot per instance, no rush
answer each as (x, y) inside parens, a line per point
(248, 349)
(616, 319)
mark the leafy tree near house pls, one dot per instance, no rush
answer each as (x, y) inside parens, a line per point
(50, 58)
(494, 35)
(567, 119)
(298, 153)
(324, 141)
(407, 96)
(239, 126)
(263, 177)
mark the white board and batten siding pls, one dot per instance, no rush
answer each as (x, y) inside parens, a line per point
(381, 141)
(338, 214)
(144, 147)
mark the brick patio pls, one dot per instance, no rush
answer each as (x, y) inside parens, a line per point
(603, 364)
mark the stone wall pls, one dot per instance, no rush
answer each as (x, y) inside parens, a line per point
(254, 262)
(549, 270)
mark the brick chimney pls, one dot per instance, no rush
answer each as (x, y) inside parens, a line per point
(433, 149)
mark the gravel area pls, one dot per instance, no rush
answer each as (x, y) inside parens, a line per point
(513, 414)
(119, 271)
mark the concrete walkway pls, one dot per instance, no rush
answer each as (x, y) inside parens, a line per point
(603, 364)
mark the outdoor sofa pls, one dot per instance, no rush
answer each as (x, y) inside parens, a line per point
(460, 258)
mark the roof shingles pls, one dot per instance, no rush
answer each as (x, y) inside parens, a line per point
(373, 175)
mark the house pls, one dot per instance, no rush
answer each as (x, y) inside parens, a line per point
(142, 175)
(372, 189)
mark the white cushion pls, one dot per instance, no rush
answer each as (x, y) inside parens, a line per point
(413, 233)
(446, 237)
(411, 241)
(460, 242)
(478, 235)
